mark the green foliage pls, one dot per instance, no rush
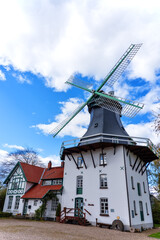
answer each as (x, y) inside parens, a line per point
(2, 197)
(155, 235)
(40, 211)
(58, 210)
(156, 211)
(5, 214)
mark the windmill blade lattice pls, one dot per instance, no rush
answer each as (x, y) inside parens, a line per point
(122, 64)
(75, 81)
(60, 126)
(122, 106)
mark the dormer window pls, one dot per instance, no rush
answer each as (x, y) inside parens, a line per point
(47, 182)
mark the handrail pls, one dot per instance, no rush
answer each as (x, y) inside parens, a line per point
(87, 212)
(138, 141)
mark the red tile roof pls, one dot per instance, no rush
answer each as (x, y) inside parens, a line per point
(32, 173)
(40, 191)
(55, 172)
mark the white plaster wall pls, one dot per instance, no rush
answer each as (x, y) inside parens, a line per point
(116, 192)
(31, 211)
(133, 193)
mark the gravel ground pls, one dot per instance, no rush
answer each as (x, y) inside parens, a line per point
(14, 229)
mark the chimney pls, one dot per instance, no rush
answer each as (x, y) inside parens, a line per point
(62, 164)
(49, 165)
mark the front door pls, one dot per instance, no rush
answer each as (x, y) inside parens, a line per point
(141, 210)
(78, 205)
(25, 207)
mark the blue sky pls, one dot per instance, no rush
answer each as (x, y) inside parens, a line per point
(43, 42)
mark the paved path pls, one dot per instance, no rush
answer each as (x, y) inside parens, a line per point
(13, 229)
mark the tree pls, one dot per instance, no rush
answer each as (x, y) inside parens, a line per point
(27, 155)
(157, 120)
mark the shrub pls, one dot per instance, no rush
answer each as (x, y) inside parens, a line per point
(5, 214)
(58, 210)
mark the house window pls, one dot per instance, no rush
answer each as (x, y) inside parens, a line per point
(10, 202)
(79, 184)
(17, 202)
(139, 189)
(103, 159)
(35, 202)
(103, 181)
(132, 182)
(134, 205)
(144, 187)
(104, 206)
(79, 162)
(54, 204)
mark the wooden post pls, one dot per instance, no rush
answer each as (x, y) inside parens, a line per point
(96, 222)
(65, 212)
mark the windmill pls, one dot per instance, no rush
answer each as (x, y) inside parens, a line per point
(108, 101)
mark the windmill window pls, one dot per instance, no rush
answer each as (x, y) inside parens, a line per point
(96, 125)
(10, 202)
(104, 207)
(132, 182)
(54, 204)
(79, 162)
(139, 189)
(103, 159)
(135, 209)
(79, 184)
(103, 181)
(17, 202)
(144, 187)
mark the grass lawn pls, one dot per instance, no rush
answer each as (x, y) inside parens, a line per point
(156, 225)
(155, 235)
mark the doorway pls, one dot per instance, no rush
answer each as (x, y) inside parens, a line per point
(78, 204)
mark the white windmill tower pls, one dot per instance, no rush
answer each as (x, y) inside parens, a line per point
(105, 176)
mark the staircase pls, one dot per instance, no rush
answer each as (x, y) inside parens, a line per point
(68, 216)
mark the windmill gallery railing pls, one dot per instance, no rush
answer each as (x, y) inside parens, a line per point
(116, 139)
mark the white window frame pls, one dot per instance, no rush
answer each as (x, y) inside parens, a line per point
(103, 159)
(35, 202)
(103, 181)
(104, 207)
(10, 201)
(17, 201)
(79, 162)
(54, 204)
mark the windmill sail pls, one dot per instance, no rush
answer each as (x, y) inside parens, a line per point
(120, 105)
(60, 126)
(120, 66)
(77, 82)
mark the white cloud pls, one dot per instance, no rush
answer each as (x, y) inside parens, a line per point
(53, 158)
(3, 155)
(6, 145)
(57, 38)
(2, 76)
(144, 130)
(78, 125)
(21, 79)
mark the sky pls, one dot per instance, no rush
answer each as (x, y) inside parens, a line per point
(43, 42)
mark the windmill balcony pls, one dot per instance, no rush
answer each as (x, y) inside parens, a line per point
(143, 147)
